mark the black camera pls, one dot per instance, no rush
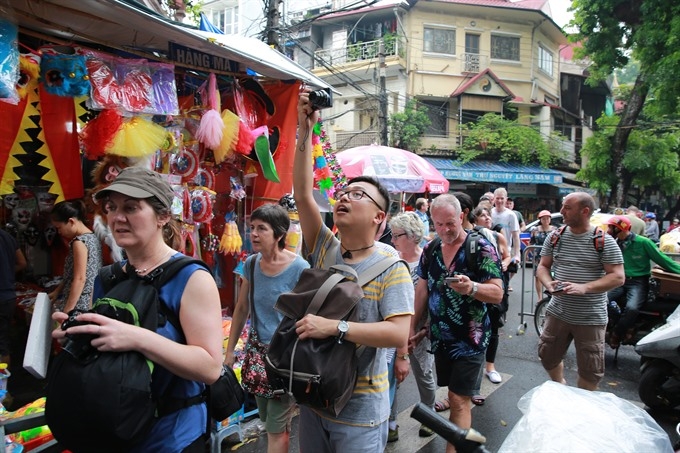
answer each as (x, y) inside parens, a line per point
(78, 345)
(321, 99)
(72, 321)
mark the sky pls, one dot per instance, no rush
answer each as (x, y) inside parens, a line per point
(559, 11)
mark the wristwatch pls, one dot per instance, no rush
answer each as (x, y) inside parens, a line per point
(343, 327)
(475, 287)
(403, 356)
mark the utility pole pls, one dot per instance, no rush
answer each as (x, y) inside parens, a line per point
(273, 24)
(382, 115)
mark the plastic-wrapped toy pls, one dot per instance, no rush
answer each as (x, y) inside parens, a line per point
(9, 57)
(237, 191)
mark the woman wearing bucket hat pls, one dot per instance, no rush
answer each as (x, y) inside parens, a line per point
(137, 207)
(538, 236)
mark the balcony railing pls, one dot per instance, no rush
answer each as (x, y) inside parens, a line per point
(568, 148)
(474, 62)
(361, 51)
(352, 139)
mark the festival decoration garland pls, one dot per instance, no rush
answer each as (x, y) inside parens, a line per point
(328, 176)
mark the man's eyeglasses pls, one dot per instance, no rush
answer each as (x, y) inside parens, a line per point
(356, 195)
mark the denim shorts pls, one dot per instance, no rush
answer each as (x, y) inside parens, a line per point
(322, 435)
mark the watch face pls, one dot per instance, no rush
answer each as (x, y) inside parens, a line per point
(343, 326)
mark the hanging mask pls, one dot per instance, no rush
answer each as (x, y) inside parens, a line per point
(32, 235)
(50, 233)
(29, 70)
(46, 201)
(11, 200)
(11, 228)
(65, 75)
(22, 217)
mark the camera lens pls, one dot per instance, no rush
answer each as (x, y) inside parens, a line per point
(320, 99)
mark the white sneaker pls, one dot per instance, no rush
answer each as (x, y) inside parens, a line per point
(494, 376)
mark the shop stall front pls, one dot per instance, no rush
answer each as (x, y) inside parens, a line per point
(110, 83)
(90, 87)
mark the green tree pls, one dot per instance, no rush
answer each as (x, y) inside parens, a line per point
(497, 138)
(407, 128)
(628, 74)
(651, 159)
(611, 31)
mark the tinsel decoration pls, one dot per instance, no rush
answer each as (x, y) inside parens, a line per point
(328, 176)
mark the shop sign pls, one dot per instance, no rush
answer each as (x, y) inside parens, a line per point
(501, 176)
(190, 57)
(521, 189)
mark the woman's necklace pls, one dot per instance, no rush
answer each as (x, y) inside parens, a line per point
(144, 271)
(348, 253)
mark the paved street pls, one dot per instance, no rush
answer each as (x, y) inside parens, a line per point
(518, 363)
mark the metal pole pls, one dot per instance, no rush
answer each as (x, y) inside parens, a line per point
(383, 95)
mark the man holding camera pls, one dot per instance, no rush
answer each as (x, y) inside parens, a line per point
(456, 291)
(386, 307)
(586, 264)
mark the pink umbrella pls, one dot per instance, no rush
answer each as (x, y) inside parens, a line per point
(399, 170)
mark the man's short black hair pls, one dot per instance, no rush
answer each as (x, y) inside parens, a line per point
(465, 203)
(381, 189)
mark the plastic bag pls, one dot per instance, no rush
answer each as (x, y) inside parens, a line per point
(9, 55)
(165, 100)
(558, 418)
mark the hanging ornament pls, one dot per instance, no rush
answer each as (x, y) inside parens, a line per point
(185, 164)
(205, 178)
(202, 205)
(328, 176)
(211, 127)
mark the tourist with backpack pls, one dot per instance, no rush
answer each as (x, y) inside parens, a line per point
(582, 276)
(270, 271)
(456, 292)
(384, 310)
(182, 347)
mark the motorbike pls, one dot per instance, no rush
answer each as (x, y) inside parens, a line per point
(659, 386)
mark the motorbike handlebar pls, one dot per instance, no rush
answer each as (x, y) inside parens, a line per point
(465, 440)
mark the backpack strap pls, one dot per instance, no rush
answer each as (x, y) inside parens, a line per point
(111, 275)
(555, 239)
(471, 248)
(431, 247)
(158, 277)
(598, 238)
(164, 273)
(378, 268)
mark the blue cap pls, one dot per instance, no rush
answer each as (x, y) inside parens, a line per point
(650, 215)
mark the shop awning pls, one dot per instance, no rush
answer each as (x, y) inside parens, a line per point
(498, 172)
(128, 26)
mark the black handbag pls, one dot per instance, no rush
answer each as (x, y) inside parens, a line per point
(226, 395)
